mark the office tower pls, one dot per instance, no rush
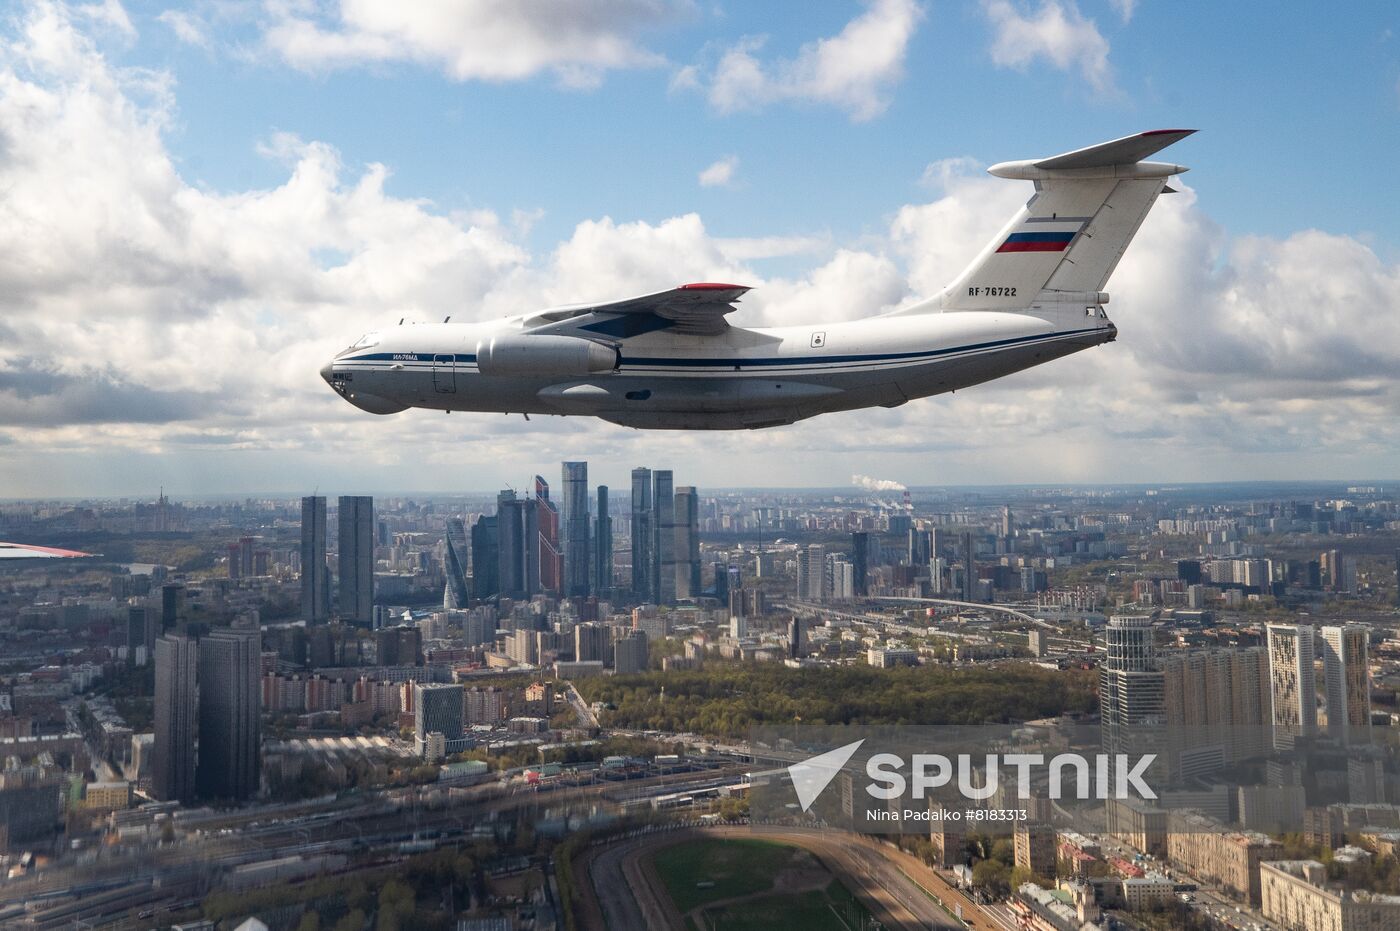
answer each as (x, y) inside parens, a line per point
(1292, 684)
(919, 543)
(510, 536)
(593, 642)
(1347, 681)
(969, 569)
(546, 541)
(437, 709)
(663, 570)
(1189, 571)
(687, 543)
(140, 635)
(1130, 684)
(797, 645)
(356, 559)
(230, 696)
(456, 594)
(630, 654)
(721, 573)
(602, 546)
(643, 532)
(1008, 529)
(315, 574)
(486, 558)
(578, 565)
(860, 565)
(398, 646)
(172, 606)
(176, 712)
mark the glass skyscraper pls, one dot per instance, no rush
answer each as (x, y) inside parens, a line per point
(577, 565)
(230, 704)
(356, 559)
(643, 531)
(664, 548)
(315, 574)
(602, 546)
(457, 593)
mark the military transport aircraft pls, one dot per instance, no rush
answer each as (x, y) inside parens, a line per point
(672, 361)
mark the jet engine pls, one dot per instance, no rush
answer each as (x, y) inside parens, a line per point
(546, 355)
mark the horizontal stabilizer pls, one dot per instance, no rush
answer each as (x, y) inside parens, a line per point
(1123, 151)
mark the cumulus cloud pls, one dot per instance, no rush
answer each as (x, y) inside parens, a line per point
(149, 326)
(855, 70)
(1055, 32)
(720, 173)
(489, 40)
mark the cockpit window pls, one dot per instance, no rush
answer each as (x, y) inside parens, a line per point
(366, 341)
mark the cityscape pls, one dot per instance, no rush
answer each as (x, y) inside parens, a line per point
(309, 711)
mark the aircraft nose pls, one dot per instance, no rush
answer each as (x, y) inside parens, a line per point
(326, 371)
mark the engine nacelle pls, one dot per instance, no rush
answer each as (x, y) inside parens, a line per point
(523, 354)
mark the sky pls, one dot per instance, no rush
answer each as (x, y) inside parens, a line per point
(201, 202)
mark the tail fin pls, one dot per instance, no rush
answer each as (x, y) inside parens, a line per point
(1069, 237)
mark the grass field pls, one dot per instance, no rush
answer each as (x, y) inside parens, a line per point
(833, 909)
(748, 868)
(736, 867)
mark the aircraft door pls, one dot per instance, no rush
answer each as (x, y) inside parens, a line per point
(445, 374)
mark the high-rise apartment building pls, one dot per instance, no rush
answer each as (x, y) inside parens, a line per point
(578, 565)
(356, 559)
(643, 534)
(1347, 681)
(456, 594)
(315, 574)
(593, 643)
(1292, 683)
(811, 573)
(630, 653)
(176, 717)
(1130, 684)
(663, 499)
(230, 715)
(688, 584)
(602, 546)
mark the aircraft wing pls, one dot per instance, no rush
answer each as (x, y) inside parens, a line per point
(697, 308)
(24, 551)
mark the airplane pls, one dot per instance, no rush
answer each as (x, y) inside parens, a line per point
(672, 361)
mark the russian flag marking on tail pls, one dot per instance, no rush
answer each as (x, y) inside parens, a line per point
(1037, 242)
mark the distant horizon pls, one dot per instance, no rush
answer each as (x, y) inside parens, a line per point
(1381, 486)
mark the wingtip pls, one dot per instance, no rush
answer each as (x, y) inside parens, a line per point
(1169, 132)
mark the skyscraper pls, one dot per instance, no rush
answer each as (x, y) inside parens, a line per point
(486, 557)
(456, 593)
(860, 563)
(356, 559)
(315, 574)
(664, 549)
(437, 709)
(643, 531)
(811, 573)
(603, 546)
(510, 535)
(577, 564)
(919, 546)
(1130, 684)
(969, 569)
(230, 696)
(176, 712)
(1292, 683)
(551, 544)
(1347, 680)
(688, 583)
